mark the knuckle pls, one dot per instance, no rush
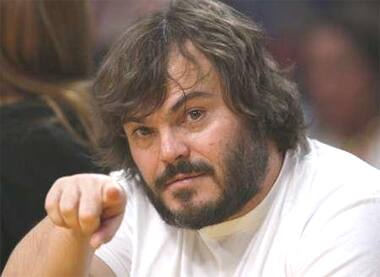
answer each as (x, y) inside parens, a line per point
(83, 176)
(88, 217)
(56, 220)
(49, 207)
(48, 204)
(68, 181)
(60, 181)
(68, 210)
(55, 217)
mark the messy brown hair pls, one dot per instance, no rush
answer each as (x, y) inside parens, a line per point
(134, 75)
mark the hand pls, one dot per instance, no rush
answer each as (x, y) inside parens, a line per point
(91, 204)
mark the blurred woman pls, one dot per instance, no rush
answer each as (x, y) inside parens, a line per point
(341, 77)
(45, 122)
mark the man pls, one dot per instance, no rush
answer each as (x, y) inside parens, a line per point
(218, 178)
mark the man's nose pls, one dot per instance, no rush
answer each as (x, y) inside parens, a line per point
(173, 147)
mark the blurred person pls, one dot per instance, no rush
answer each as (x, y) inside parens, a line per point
(340, 68)
(217, 176)
(45, 56)
(112, 17)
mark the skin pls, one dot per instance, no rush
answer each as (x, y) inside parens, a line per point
(91, 205)
(86, 210)
(193, 124)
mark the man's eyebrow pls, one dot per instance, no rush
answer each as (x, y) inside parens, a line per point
(133, 119)
(180, 102)
(188, 96)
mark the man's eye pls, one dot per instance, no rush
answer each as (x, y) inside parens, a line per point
(142, 131)
(194, 115)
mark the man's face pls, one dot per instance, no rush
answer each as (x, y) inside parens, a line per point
(199, 163)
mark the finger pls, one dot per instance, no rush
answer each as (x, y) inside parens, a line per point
(69, 206)
(90, 209)
(106, 231)
(52, 206)
(113, 195)
(115, 201)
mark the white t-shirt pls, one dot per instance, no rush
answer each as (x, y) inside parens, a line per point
(321, 218)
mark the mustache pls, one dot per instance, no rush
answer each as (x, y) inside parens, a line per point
(184, 167)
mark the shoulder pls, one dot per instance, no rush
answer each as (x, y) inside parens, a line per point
(337, 169)
(336, 218)
(324, 173)
(327, 184)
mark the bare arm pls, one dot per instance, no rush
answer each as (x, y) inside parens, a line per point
(85, 211)
(47, 249)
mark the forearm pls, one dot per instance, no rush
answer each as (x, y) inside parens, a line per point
(49, 250)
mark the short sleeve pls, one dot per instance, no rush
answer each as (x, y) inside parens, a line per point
(344, 243)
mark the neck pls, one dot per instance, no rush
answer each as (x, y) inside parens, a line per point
(275, 161)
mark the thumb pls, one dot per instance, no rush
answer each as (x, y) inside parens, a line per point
(114, 201)
(106, 232)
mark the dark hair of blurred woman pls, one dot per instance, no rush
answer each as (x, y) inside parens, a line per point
(45, 56)
(45, 52)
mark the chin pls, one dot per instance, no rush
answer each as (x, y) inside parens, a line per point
(189, 211)
(189, 208)
(184, 199)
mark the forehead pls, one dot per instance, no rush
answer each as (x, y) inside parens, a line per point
(186, 74)
(187, 70)
(327, 42)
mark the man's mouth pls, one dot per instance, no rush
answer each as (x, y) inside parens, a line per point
(182, 179)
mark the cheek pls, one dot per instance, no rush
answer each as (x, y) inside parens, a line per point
(146, 163)
(214, 142)
(207, 143)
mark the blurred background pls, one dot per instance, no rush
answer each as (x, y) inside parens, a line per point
(330, 48)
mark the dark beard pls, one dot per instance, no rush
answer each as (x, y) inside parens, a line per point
(244, 170)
